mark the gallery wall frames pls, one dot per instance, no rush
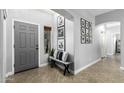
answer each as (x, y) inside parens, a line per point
(61, 33)
(61, 44)
(60, 21)
(86, 31)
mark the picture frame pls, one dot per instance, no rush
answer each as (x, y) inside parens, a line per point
(87, 40)
(82, 22)
(87, 24)
(60, 21)
(83, 40)
(61, 45)
(82, 31)
(87, 32)
(61, 32)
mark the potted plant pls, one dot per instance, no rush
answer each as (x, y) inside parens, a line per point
(51, 53)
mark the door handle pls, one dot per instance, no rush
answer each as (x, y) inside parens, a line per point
(37, 47)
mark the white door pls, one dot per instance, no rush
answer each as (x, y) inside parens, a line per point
(103, 44)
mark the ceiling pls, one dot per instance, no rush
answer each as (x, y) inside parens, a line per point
(92, 12)
(113, 27)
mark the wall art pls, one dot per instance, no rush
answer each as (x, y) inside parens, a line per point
(86, 31)
(60, 21)
(61, 44)
(61, 33)
(83, 40)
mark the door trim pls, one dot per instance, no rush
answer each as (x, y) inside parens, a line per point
(3, 63)
(13, 50)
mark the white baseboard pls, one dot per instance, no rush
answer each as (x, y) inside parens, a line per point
(94, 62)
(9, 74)
(110, 54)
(44, 64)
(122, 68)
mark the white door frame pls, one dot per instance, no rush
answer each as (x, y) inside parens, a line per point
(4, 48)
(13, 50)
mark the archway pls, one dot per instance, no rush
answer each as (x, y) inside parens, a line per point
(114, 16)
(109, 38)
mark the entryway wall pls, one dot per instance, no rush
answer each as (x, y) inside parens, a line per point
(85, 55)
(40, 17)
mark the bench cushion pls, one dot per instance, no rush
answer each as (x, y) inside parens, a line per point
(57, 60)
(61, 55)
(55, 53)
(65, 56)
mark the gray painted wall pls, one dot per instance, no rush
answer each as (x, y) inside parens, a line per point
(35, 16)
(1, 47)
(84, 54)
(116, 15)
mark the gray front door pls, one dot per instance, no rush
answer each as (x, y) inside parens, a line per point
(26, 46)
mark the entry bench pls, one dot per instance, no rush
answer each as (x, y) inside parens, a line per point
(61, 57)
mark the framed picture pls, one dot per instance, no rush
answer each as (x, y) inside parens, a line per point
(87, 40)
(82, 39)
(82, 31)
(82, 22)
(61, 45)
(87, 32)
(61, 32)
(87, 24)
(60, 21)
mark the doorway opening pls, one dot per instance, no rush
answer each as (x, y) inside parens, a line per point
(47, 39)
(109, 39)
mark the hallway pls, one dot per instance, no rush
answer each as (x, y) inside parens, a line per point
(105, 71)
